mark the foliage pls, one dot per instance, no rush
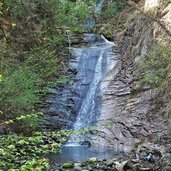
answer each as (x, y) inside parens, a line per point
(33, 35)
(71, 13)
(32, 47)
(0, 78)
(155, 65)
(27, 153)
(114, 8)
(18, 89)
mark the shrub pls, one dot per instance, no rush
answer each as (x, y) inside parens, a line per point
(155, 65)
(34, 33)
(17, 90)
(27, 153)
(113, 8)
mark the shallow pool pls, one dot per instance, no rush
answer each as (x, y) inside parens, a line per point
(81, 153)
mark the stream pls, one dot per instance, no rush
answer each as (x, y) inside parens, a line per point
(92, 63)
(102, 94)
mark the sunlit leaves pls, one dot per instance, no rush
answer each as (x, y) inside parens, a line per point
(0, 77)
(26, 152)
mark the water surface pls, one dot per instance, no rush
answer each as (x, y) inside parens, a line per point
(81, 153)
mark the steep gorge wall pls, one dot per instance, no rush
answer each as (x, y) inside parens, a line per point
(133, 113)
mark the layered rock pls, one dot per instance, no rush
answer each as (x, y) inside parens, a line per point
(131, 113)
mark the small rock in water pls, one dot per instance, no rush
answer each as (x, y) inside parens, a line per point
(110, 163)
(150, 158)
(77, 164)
(92, 160)
(77, 168)
(68, 165)
(87, 143)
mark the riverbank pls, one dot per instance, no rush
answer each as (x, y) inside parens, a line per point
(154, 159)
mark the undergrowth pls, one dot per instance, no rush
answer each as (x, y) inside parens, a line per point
(21, 153)
(155, 65)
(29, 152)
(33, 37)
(113, 8)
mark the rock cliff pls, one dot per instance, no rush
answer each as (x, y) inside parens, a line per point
(133, 113)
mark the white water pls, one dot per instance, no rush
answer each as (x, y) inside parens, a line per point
(99, 6)
(86, 113)
(99, 53)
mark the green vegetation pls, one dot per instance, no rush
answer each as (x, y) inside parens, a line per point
(68, 165)
(32, 35)
(33, 41)
(155, 65)
(112, 19)
(113, 8)
(28, 153)
(20, 153)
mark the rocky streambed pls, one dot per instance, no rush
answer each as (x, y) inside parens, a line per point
(145, 160)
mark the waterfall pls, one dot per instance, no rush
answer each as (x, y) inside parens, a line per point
(91, 64)
(98, 53)
(99, 6)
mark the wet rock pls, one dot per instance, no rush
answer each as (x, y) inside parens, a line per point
(83, 164)
(104, 167)
(68, 165)
(87, 143)
(92, 160)
(77, 164)
(121, 166)
(90, 168)
(150, 158)
(77, 167)
(110, 163)
(168, 168)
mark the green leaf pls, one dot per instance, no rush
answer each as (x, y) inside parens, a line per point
(11, 146)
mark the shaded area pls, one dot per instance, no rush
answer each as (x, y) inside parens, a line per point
(81, 153)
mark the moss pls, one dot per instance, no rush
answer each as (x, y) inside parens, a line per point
(68, 165)
(92, 160)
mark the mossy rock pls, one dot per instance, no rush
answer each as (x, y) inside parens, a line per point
(92, 160)
(68, 165)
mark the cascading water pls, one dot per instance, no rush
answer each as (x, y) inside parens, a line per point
(99, 6)
(92, 64)
(98, 56)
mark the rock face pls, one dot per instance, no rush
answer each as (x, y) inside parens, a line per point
(59, 108)
(81, 96)
(131, 113)
(128, 112)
